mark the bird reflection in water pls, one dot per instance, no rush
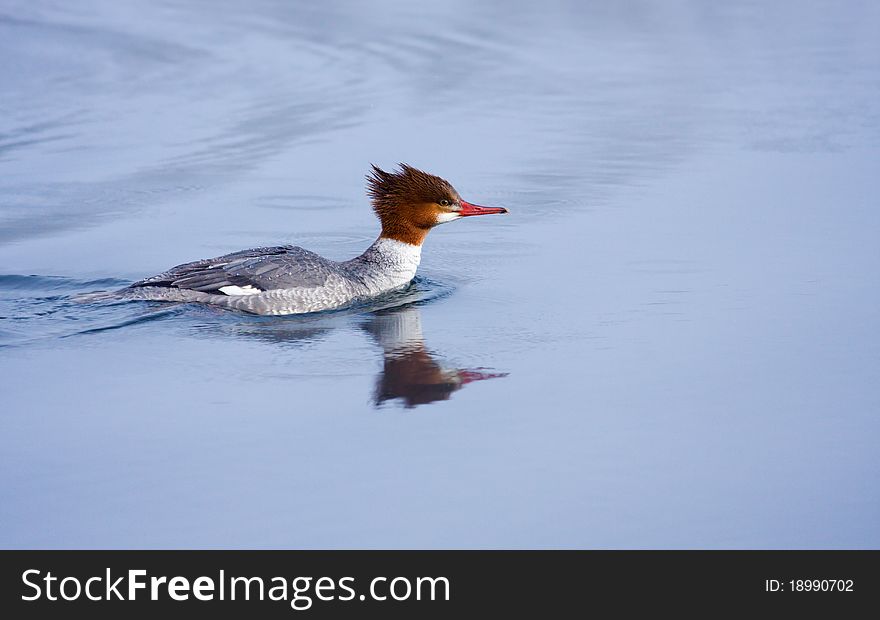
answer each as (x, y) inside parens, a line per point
(410, 372)
(411, 375)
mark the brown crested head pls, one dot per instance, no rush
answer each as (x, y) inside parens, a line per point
(410, 202)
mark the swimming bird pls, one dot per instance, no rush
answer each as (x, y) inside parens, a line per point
(288, 279)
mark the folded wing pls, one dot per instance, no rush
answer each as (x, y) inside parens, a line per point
(248, 271)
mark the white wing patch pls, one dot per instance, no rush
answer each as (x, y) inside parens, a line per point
(240, 290)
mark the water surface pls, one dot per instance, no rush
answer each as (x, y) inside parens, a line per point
(671, 341)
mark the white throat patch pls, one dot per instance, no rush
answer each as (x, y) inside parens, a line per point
(447, 216)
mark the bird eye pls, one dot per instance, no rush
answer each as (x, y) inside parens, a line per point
(445, 202)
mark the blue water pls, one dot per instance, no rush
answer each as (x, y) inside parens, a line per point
(671, 341)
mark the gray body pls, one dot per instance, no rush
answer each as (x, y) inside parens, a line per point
(284, 279)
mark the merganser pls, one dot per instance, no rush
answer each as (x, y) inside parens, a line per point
(291, 280)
